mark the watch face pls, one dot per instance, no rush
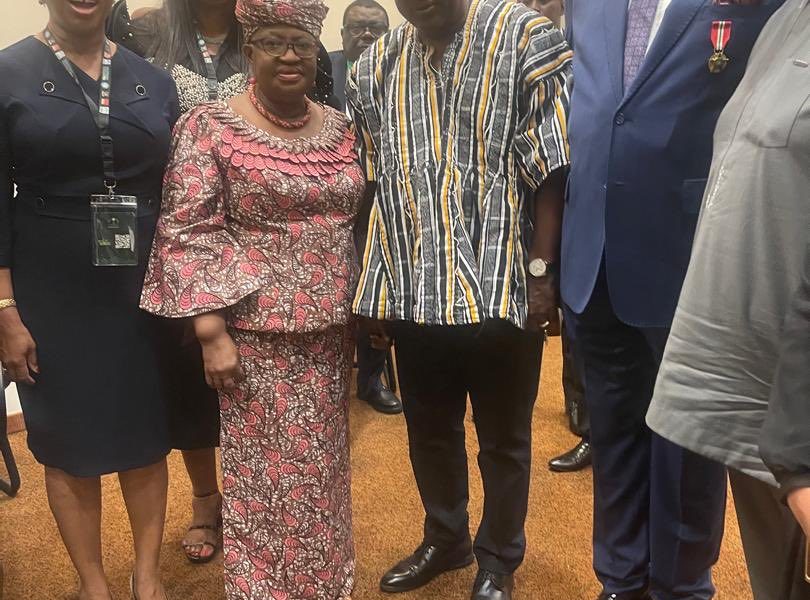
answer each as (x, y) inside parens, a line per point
(538, 267)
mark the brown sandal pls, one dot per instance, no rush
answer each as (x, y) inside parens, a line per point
(196, 557)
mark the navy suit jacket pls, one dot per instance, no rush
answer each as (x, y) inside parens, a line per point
(640, 157)
(339, 74)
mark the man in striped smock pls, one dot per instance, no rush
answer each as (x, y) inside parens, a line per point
(461, 115)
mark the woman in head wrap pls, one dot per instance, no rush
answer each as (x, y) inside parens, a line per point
(200, 43)
(255, 243)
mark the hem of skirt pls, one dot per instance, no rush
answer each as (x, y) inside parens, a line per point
(73, 471)
(192, 447)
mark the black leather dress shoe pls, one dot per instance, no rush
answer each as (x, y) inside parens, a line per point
(492, 586)
(574, 460)
(643, 595)
(384, 401)
(423, 566)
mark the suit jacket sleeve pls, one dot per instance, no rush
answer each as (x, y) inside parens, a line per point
(785, 441)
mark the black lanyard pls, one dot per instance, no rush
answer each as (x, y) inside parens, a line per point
(101, 109)
(211, 72)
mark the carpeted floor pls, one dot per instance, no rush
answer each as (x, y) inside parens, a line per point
(388, 521)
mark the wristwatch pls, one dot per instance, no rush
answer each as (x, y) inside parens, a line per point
(540, 268)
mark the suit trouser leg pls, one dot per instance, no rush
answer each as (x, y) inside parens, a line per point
(370, 366)
(643, 487)
(772, 540)
(574, 389)
(619, 374)
(434, 398)
(687, 521)
(503, 371)
(687, 512)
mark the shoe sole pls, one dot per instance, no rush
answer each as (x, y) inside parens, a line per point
(455, 567)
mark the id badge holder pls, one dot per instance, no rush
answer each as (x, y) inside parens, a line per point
(114, 221)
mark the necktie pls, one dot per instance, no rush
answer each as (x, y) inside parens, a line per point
(640, 17)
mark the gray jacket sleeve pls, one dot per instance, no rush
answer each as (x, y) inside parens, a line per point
(785, 441)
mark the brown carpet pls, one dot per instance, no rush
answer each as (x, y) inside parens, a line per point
(388, 520)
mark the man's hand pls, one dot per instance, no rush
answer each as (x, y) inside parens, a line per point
(376, 332)
(799, 502)
(543, 301)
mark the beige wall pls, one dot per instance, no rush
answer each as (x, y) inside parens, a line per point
(19, 18)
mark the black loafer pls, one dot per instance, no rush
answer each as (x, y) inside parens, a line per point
(384, 401)
(423, 566)
(640, 595)
(492, 586)
(575, 459)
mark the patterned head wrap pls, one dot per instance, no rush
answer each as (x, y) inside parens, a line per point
(303, 14)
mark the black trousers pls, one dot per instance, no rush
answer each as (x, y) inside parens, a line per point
(370, 367)
(498, 366)
(574, 388)
(773, 542)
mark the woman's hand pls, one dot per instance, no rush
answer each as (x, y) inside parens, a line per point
(220, 354)
(18, 352)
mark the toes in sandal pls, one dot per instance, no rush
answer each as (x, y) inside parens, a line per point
(197, 557)
(194, 551)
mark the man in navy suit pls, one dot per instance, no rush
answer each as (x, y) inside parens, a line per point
(651, 77)
(364, 22)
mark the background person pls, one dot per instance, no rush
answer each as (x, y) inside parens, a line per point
(364, 21)
(579, 457)
(86, 360)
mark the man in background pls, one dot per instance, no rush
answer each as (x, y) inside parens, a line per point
(551, 9)
(579, 457)
(364, 22)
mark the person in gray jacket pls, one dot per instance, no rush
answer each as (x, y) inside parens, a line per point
(785, 443)
(722, 370)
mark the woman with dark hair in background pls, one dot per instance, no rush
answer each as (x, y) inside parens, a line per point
(200, 43)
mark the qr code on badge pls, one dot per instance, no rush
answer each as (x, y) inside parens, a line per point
(123, 241)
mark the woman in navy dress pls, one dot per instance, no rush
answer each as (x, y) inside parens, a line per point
(85, 358)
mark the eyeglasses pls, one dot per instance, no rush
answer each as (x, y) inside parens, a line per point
(375, 29)
(302, 48)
